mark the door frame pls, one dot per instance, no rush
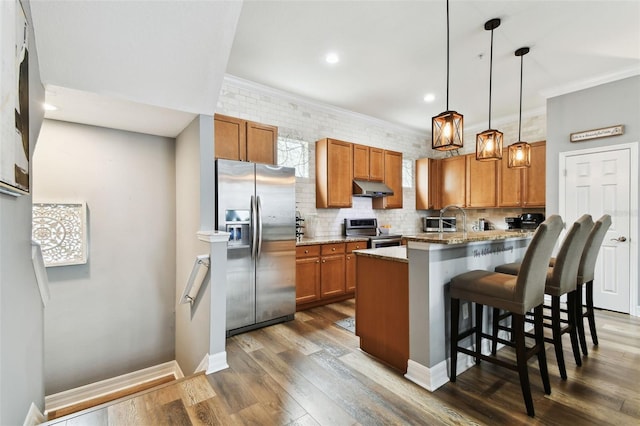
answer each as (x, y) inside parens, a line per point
(634, 308)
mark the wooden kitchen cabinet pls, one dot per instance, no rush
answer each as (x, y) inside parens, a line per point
(482, 182)
(524, 187)
(334, 173)
(307, 274)
(242, 140)
(332, 270)
(534, 179)
(368, 163)
(350, 265)
(428, 188)
(393, 179)
(454, 181)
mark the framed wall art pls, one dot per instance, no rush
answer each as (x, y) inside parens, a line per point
(14, 99)
(61, 231)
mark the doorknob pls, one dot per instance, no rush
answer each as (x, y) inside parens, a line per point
(619, 239)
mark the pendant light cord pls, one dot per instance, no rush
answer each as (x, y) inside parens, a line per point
(490, 74)
(520, 116)
(447, 55)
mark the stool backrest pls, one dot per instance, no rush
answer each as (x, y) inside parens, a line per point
(586, 270)
(533, 270)
(565, 270)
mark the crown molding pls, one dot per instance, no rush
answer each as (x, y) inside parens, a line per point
(330, 109)
(592, 82)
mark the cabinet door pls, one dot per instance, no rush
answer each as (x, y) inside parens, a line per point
(261, 143)
(334, 173)
(229, 138)
(332, 275)
(350, 265)
(307, 279)
(427, 184)
(376, 164)
(360, 162)
(509, 184)
(454, 181)
(393, 179)
(535, 177)
(482, 190)
(435, 184)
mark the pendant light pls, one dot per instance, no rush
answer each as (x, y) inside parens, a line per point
(489, 142)
(447, 127)
(520, 152)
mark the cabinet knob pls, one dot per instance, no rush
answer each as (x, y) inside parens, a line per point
(348, 257)
(333, 249)
(306, 251)
(324, 261)
(317, 261)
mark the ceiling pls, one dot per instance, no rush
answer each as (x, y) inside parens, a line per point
(151, 66)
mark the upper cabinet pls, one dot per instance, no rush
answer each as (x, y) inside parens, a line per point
(393, 179)
(368, 163)
(466, 182)
(243, 140)
(334, 173)
(453, 181)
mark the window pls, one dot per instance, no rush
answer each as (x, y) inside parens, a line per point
(407, 173)
(294, 153)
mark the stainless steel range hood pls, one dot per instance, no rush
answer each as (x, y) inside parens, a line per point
(363, 188)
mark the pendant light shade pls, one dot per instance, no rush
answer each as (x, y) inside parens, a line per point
(447, 127)
(489, 142)
(520, 152)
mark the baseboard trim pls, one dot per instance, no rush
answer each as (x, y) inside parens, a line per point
(105, 387)
(34, 416)
(436, 376)
(217, 362)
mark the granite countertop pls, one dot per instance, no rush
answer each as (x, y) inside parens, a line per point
(467, 237)
(330, 240)
(395, 253)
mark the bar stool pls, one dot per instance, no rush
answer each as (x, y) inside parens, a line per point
(561, 279)
(517, 295)
(586, 274)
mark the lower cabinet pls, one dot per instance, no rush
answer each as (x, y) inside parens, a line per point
(325, 273)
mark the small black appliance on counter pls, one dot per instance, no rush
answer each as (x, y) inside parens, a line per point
(524, 221)
(513, 222)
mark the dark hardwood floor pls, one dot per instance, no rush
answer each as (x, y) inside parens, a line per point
(311, 372)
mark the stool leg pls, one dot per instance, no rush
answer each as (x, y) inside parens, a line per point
(542, 355)
(494, 331)
(557, 335)
(455, 317)
(590, 315)
(580, 320)
(521, 356)
(573, 332)
(478, 330)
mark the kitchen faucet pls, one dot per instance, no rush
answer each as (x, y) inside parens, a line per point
(464, 216)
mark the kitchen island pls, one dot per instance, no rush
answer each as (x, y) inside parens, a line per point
(433, 259)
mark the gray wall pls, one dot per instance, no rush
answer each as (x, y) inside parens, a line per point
(21, 311)
(601, 106)
(114, 314)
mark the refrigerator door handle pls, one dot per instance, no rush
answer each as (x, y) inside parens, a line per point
(259, 230)
(254, 227)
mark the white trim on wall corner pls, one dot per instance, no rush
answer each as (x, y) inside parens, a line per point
(34, 416)
(217, 362)
(586, 84)
(108, 386)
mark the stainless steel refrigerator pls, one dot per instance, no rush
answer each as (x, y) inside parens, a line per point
(256, 205)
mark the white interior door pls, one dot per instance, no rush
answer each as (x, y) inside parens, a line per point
(600, 183)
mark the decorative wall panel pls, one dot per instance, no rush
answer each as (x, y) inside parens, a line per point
(61, 231)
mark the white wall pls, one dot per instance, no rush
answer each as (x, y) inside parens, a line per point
(21, 310)
(114, 314)
(306, 120)
(601, 106)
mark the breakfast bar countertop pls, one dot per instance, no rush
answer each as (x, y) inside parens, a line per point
(467, 237)
(330, 240)
(395, 253)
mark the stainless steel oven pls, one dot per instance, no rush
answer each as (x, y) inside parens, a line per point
(432, 224)
(368, 227)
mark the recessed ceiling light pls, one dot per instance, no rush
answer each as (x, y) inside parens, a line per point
(49, 107)
(332, 58)
(429, 97)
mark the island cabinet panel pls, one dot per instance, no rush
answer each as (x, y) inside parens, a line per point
(350, 265)
(534, 177)
(482, 182)
(510, 184)
(241, 140)
(307, 274)
(334, 173)
(382, 309)
(454, 181)
(393, 179)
